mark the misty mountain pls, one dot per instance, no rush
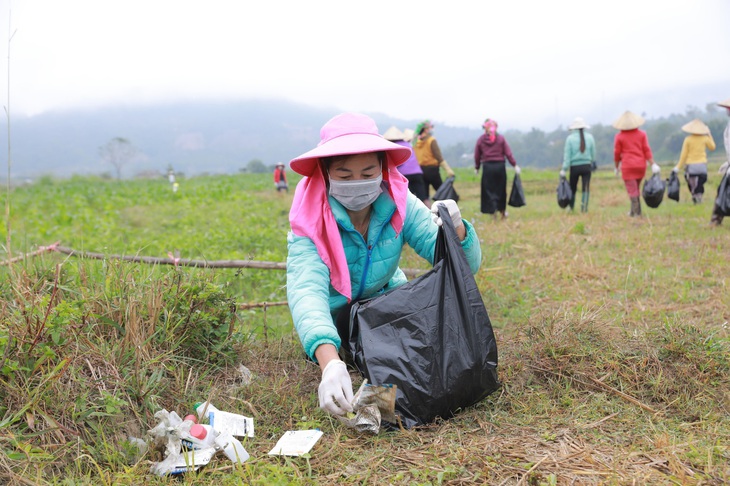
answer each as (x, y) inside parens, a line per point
(193, 137)
(223, 137)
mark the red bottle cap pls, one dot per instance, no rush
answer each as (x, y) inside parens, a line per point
(192, 418)
(198, 431)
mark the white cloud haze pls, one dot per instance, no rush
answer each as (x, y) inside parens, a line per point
(525, 63)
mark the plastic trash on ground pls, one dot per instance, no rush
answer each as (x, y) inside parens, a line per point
(188, 446)
(237, 425)
(372, 404)
(296, 442)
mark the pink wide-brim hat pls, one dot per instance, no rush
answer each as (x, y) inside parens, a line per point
(348, 134)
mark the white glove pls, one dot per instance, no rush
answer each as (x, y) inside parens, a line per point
(655, 169)
(335, 389)
(617, 170)
(724, 168)
(517, 169)
(676, 169)
(453, 209)
(562, 173)
(476, 171)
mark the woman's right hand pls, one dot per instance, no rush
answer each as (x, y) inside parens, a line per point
(335, 389)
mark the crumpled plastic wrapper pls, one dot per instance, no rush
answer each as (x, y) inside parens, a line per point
(167, 436)
(371, 405)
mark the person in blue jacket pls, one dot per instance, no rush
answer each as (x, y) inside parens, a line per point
(578, 154)
(351, 215)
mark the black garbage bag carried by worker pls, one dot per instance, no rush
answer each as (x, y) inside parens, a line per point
(517, 195)
(653, 191)
(431, 337)
(565, 193)
(723, 195)
(673, 186)
(446, 191)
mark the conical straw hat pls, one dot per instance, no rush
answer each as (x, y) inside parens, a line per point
(725, 103)
(628, 121)
(408, 134)
(578, 123)
(393, 134)
(696, 127)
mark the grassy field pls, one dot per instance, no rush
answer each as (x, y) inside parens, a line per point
(612, 332)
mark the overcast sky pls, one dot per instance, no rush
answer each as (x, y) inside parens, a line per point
(524, 63)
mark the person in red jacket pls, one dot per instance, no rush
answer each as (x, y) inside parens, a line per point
(280, 178)
(631, 154)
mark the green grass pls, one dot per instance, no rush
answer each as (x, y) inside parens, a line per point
(612, 332)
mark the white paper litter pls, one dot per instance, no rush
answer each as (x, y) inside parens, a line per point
(296, 443)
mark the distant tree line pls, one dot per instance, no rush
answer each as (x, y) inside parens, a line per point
(540, 149)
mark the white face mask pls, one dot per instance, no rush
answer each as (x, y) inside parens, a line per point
(356, 195)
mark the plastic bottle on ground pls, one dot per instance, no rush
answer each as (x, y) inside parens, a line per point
(201, 437)
(204, 409)
(232, 447)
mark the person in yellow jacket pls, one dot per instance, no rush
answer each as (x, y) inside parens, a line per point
(693, 157)
(429, 157)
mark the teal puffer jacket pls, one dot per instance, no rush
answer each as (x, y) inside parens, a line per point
(373, 265)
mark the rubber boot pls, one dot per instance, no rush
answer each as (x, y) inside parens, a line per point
(584, 202)
(637, 202)
(635, 209)
(716, 219)
(571, 205)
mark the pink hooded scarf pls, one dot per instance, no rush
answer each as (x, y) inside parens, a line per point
(491, 127)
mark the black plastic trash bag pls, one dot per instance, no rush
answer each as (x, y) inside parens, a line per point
(446, 191)
(723, 195)
(565, 193)
(517, 195)
(653, 192)
(673, 186)
(431, 337)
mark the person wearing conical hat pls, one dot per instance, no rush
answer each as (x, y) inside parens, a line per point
(429, 157)
(724, 171)
(578, 154)
(351, 216)
(410, 168)
(693, 158)
(631, 154)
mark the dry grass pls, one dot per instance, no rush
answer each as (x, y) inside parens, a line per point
(612, 333)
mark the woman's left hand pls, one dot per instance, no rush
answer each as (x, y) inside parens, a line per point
(454, 213)
(451, 207)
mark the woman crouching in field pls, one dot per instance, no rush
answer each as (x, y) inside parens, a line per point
(351, 215)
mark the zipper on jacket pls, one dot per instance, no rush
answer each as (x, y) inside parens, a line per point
(368, 260)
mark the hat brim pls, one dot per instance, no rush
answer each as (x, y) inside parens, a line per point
(696, 127)
(628, 121)
(578, 127)
(356, 143)
(725, 104)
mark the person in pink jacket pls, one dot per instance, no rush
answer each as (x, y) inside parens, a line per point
(631, 154)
